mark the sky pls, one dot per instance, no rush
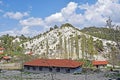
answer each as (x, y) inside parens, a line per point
(32, 17)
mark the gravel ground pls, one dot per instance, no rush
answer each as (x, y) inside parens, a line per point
(16, 75)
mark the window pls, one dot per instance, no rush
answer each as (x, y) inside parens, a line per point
(68, 70)
(58, 69)
(28, 68)
(40, 68)
(34, 68)
(50, 69)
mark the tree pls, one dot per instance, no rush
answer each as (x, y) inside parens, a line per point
(113, 36)
(90, 46)
(83, 45)
(77, 45)
(65, 48)
(60, 45)
(47, 49)
(71, 46)
(113, 55)
(7, 43)
(91, 49)
(55, 27)
(98, 45)
(23, 38)
(51, 28)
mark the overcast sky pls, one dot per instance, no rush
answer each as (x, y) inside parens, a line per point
(31, 17)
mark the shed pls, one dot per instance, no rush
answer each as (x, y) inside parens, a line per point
(1, 50)
(99, 64)
(53, 65)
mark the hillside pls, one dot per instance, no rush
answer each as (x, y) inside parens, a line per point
(104, 33)
(70, 43)
(54, 43)
(12, 44)
(64, 42)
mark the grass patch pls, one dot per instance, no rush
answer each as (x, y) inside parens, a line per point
(113, 75)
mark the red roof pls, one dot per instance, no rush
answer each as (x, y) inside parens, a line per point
(54, 63)
(99, 62)
(1, 52)
(6, 57)
(1, 48)
(30, 53)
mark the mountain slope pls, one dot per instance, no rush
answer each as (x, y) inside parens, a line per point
(104, 33)
(55, 38)
(66, 42)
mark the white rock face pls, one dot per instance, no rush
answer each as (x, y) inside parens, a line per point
(58, 41)
(16, 40)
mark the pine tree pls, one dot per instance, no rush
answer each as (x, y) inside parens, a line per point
(60, 45)
(55, 27)
(77, 46)
(65, 48)
(98, 45)
(47, 49)
(91, 50)
(71, 46)
(113, 55)
(83, 45)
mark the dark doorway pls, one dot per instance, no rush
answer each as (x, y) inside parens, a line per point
(28, 68)
(40, 68)
(50, 69)
(57, 69)
(34, 68)
(68, 70)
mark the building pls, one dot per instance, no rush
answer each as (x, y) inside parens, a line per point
(99, 64)
(53, 65)
(4, 58)
(1, 50)
(7, 58)
(30, 53)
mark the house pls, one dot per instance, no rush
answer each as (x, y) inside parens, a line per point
(99, 64)
(53, 65)
(30, 53)
(6, 58)
(1, 50)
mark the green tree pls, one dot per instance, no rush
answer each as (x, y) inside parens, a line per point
(83, 45)
(55, 27)
(113, 54)
(60, 46)
(51, 28)
(71, 46)
(65, 48)
(98, 45)
(77, 46)
(91, 49)
(47, 49)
